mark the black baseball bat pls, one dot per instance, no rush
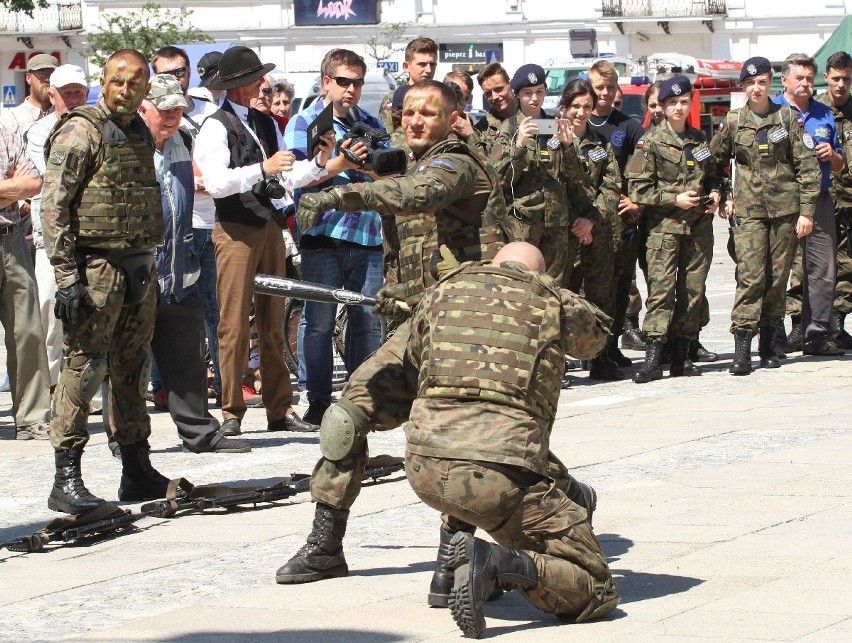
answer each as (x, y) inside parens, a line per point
(283, 287)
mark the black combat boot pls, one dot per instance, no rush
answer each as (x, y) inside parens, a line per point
(766, 348)
(69, 495)
(479, 568)
(632, 336)
(651, 369)
(796, 336)
(840, 335)
(321, 556)
(666, 354)
(603, 368)
(615, 355)
(139, 479)
(697, 353)
(442, 579)
(681, 364)
(742, 353)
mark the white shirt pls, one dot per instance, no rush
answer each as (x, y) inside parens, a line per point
(213, 157)
(36, 138)
(19, 119)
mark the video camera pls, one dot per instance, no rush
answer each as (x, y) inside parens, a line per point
(379, 159)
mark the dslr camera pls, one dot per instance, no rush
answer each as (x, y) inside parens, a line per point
(380, 160)
(268, 187)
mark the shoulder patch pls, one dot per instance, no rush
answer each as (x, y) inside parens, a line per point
(56, 157)
(701, 154)
(808, 140)
(444, 164)
(618, 137)
(597, 155)
(721, 126)
(640, 143)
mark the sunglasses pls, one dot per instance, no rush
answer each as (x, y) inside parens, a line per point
(266, 91)
(180, 72)
(344, 82)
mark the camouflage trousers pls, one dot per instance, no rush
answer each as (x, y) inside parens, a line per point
(764, 250)
(843, 287)
(594, 269)
(109, 336)
(384, 388)
(626, 241)
(552, 241)
(538, 519)
(677, 272)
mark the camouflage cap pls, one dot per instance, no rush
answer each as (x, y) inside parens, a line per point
(166, 92)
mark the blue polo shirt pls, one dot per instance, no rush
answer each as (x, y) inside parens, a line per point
(818, 121)
(362, 228)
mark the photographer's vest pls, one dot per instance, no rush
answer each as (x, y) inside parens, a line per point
(470, 236)
(246, 207)
(119, 206)
(495, 336)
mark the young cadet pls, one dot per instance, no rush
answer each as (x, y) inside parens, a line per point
(777, 181)
(671, 175)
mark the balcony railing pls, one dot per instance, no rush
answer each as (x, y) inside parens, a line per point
(662, 8)
(67, 16)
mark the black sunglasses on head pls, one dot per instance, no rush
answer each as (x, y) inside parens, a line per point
(180, 72)
(345, 82)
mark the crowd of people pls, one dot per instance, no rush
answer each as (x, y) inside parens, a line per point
(504, 246)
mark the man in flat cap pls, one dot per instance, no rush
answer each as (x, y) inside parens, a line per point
(245, 168)
(37, 104)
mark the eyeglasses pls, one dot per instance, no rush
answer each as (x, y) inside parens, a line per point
(343, 81)
(180, 72)
(266, 91)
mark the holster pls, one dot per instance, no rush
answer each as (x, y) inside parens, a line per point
(137, 265)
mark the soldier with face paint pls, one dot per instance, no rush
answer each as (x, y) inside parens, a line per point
(102, 218)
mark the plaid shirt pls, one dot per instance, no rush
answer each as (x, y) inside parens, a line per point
(12, 157)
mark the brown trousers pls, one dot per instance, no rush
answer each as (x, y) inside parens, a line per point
(242, 251)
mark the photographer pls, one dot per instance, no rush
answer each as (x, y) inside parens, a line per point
(241, 156)
(343, 249)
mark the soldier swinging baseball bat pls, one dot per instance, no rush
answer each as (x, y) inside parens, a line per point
(283, 287)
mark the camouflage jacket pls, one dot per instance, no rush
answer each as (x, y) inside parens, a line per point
(664, 165)
(841, 184)
(449, 196)
(539, 184)
(488, 344)
(602, 184)
(74, 156)
(776, 174)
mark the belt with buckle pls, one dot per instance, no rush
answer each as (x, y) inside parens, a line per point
(7, 229)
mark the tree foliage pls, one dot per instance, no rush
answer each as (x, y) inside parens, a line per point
(146, 30)
(23, 5)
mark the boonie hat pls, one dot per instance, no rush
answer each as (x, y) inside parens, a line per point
(65, 75)
(42, 61)
(207, 67)
(674, 86)
(755, 66)
(239, 66)
(527, 76)
(166, 92)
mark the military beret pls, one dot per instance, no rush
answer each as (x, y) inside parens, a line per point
(166, 92)
(674, 86)
(399, 96)
(755, 66)
(527, 76)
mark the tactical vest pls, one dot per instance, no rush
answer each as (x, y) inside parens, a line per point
(422, 233)
(495, 336)
(119, 206)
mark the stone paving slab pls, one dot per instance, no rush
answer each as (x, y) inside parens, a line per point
(725, 511)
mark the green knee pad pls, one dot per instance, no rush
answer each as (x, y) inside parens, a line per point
(91, 379)
(342, 432)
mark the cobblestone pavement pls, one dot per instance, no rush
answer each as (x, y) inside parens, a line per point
(724, 507)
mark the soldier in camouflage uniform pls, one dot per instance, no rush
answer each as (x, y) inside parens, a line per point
(600, 183)
(777, 181)
(671, 174)
(478, 436)
(421, 63)
(449, 197)
(838, 75)
(102, 219)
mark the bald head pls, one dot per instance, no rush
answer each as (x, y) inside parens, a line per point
(521, 252)
(124, 82)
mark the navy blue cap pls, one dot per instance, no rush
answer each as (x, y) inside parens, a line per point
(674, 86)
(755, 66)
(399, 96)
(528, 76)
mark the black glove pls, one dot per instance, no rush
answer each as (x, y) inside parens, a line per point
(313, 205)
(390, 302)
(69, 302)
